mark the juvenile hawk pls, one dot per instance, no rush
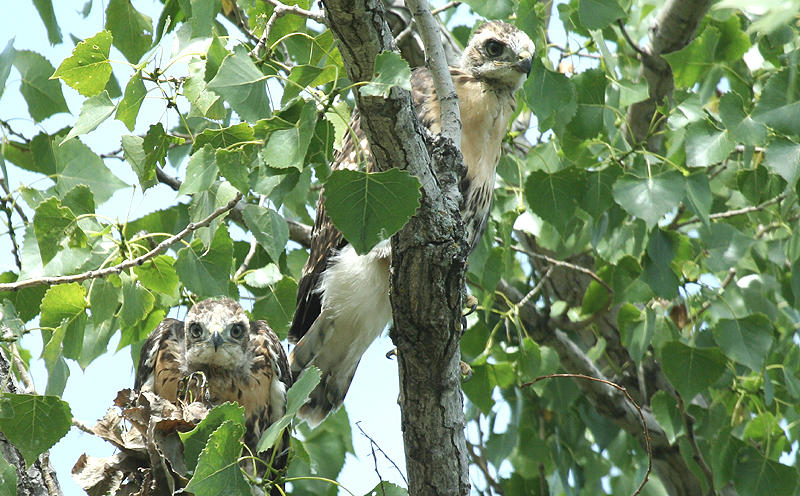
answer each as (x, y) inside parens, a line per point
(241, 360)
(343, 298)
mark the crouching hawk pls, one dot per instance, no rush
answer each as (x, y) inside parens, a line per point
(240, 360)
(343, 298)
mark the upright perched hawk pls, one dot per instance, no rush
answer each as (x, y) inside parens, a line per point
(241, 361)
(343, 298)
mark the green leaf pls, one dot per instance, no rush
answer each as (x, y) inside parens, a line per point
(692, 62)
(278, 306)
(295, 397)
(553, 197)
(158, 274)
(137, 302)
(725, 246)
(387, 489)
(48, 16)
(94, 111)
(637, 330)
(156, 144)
(8, 478)
(649, 198)
(746, 340)
(133, 150)
(52, 223)
(203, 13)
(390, 71)
(225, 137)
(591, 88)
(783, 158)
(201, 172)
(299, 77)
(242, 85)
(698, 194)
(217, 470)
(779, 104)
(691, 370)
(88, 68)
(706, 145)
(38, 422)
(128, 109)
(497, 9)
(551, 96)
(196, 439)
(370, 207)
(287, 147)
(64, 301)
(6, 61)
(207, 273)
(234, 166)
(43, 95)
(269, 228)
(742, 127)
(132, 30)
(76, 164)
(665, 408)
(597, 14)
(755, 474)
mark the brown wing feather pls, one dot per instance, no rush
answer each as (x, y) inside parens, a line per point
(160, 360)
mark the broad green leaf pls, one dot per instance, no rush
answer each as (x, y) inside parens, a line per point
(242, 85)
(6, 61)
(551, 96)
(698, 194)
(693, 61)
(783, 158)
(390, 71)
(8, 478)
(637, 330)
(755, 474)
(269, 228)
(52, 223)
(746, 340)
(38, 422)
(725, 246)
(128, 109)
(158, 274)
(88, 68)
(202, 18)
(387, 489)
(591, 88)
(42, 94)
(650, 198)
(597, 14)
(278, 306)
(498, 9)
(779, 104)
(94, 111)
(706, 145)
(665, 409)
(733, 41)
(48, 16)
(226, 137)
(64, 301)
(76, 164)
(295, 397)
(133, 150)
(156, 144)
(137, 301)
(742, 127)
(287, 147)
(217, 470)
(553, 197)
(689, 369)
(207, 273)
(263, 277)
(299, 77)
(370, 207)
(132, 30)
(758, 184)
(478, 388)
(235, 167)
(196, 439)
(201, 172)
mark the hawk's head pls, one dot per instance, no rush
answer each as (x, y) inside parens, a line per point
(499, 54)
(217, 332)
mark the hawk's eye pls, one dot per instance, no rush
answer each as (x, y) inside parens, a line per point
(494, 48)
(195, 330)
(237, 330)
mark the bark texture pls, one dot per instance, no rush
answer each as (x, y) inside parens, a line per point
(40, 478)
(428, 261)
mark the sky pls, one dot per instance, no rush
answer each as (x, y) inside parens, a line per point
(371, 401)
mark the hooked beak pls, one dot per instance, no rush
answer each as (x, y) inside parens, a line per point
(525, 62)
(216, 340)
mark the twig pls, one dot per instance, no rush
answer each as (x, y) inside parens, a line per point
(22, 371)
(479, 459)
(628, 396)
(707, 304)
(738, 211)
(629, 40)
(280, 10)
(11, 233)
(116, 269)
(16, 206)
(165, 178)
(688, 422)
(82, 426)
(440, 71)
(374, 444)
(410, 28)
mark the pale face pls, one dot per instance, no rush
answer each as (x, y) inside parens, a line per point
(216, 334)
(499, 54)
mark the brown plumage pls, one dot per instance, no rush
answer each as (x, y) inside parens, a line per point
(342, 298)
(242, 361)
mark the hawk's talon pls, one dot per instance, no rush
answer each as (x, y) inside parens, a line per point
(391, 353)
(185, 387)
(466, 371)
(471, 303)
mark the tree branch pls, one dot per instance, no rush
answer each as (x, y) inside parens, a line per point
(116, 269)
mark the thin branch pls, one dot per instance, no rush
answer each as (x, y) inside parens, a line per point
(630, 399)
(738, 211)
(83, 426)
(17, 208)
(440, 71)
(280, 10)
(11, 233)
(629, 40)
(688, 422)
(116, 269)
(478, 455)
(376, 446)
(410, 28)
(165, 178)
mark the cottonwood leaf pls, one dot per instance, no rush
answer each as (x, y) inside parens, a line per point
(132, 30)
(33, 423)
(295, 397)
(242, 85)
(649, 198)
(690, 369)
(753, 473)
(48, 16)
(88, 68)
(196, 439)
(217, 470)
(133, 151)
(706, 145)
(370, 206)
(783, 158)
(6, 61)
(53, 223)
(390, 71)
(94, 111)
(201, 172)
(553, 197)
(779, 104)
(158, 274)
(551, 96)
(207, 273)
(597, 14)
(137, 301)
(128, 109)
(278, 305)
(287, 147)
(42, 94)
(77, 164)
(747, 340)
(269, 228)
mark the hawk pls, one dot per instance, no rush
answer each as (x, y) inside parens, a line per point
(343, 298)
(240, 360)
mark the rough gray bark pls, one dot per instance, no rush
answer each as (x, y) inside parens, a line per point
(673, 29)
(428, 262)
(40, 478)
